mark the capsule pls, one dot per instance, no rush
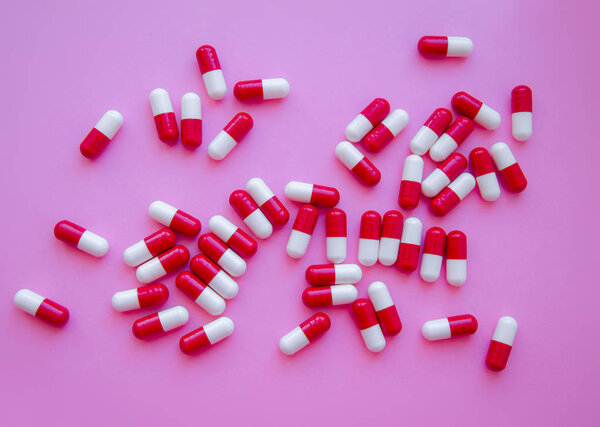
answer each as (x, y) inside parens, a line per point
(252, 216)
(391, 232)
(236, 238)
(476, 110)
(39, 306)
(98, 138)
(207, 335)
(508, 168)
(318, 195)
(304, 225)
(386, 312)
(214, 276)
(261, 89)
(336, 235)
(202, 294)
(210, 67)
(444, 174)
(163, 264)
(369, 327)
(368, 242)
(151, 246)
(410, 244)
(456, 258)
(220, 253)
(449, 327)
(453, 194)
(302, 335)
(368, 118)
(433, 253)
(230, 136)
(433, 128)
(451, 139)
(357, 163)
(191, 121)
(501, 344)
(485, 175)
(269, 204)
(387, 130)
(410, 186)
(164, 117)
(448, 46)
(163, 321)
(82, 239)
(333, 274)
(174, 218)
(142, 297)
(522, 112)
(324, 296)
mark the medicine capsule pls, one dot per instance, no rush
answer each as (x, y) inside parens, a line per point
(333, 274)
(318, 195)
(163, 264)
(456, 258)
(501, 345)
(508, 168)
(410, 186)
(368, 242)
(453, 194)
(202, 294)
(336, 235)
(444, 174)
(39, 306)
(433, 253)
(357, 163)
(449, 327)
(268, 203)
(410, 244)
(82, 239)
(191, 120)
(304, 225)
(476, 110)
(261, 89)
(433, 128)
(522, 112)
(368, 118)
(386, 312)
(324, 296)
(236, 238)
(214, 276)
(485, 175)
(369, 327)
(163, 321)
(248, 210)
(231, 135)
(451, 139)
(448, 46)
(151, 246)
(210, 67)
(164, 117)
(177, 220)
(220, 253)
(207, 335)
(391, 232)
(302, 335)
(101, 134)
(386, 131)
(144, 296)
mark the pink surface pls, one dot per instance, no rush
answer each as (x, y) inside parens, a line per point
(531, 255)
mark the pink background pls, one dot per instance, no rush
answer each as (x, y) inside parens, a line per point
(530, 255)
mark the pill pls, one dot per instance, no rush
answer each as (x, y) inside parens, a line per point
(154, 244)
(231, 135)
(369, 326)
(451, 139)
(391, 232)
(142, 297)
(302, 335)
(210, 67)
(410, 186)
(323, 296)
(304, 225)
(222, 254)
(177, 220)
(410, 244)
(191, 120)
(368, 118)
(386, 311)
(433, 128)
(444, 174)
(508, 168)
(39, 306)
(456, 258)
(163, 321)
(501, 344)
(318, 195)
(261, 89)
(101, 134)
(248, 210)
(336, 233)
(451, 196)
(357, 163)
(333, 274)
(368, 242)
(269, 204)
(449, 327)
(202, 294)
(476, 110)
(433, 253)
(236, 238)
(215, 277)
(449, 46)
(207, 335)
(163, 264)
(82, 239)
(522, 112)
(485, 175)
(387, 130)
(164, 117)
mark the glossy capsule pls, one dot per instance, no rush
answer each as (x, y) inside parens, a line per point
(98, 138)
(410, 244)
(210, 67)
(433, 254)
(191, 120)
(142, 297)
(476, 110)
(368, 118)
(269, 204)
(386, 311)
(508, 168)
(163, 264)
(501, 344)
(39, 306)
(164, 117)
(386, 131)
(336, 232)
(305, 333)
(368, 242)
(333, 274)
(231, 135)
(177, 220)
(451, 139)
(151, 246)
(449, 327)
(248, 210)
(324, 296)
(410, 186)
(203, 295)
(357, 163)
(389, 242)
(302, 231)
(220, 253)
(485, 174)
(451, 196)
(318, 195)
(207, 335)
(214, 276)
(433, 128)
(236, 238)
(82, 239)
(163, 321)
(445, 46)
(261, 89)
(522, 112)
(456, 258)
(368, 324)
(443, 175)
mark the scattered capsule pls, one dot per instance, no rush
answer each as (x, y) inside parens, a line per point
(230, 136)
(151, 246)
(368, 118)
(236, 238)
(175, 219)
(220, 253)
(214, 276)
(448, 46)
(39, 306)
(453, 194)
(456, 258)
(369, 327)
(357, 163)
(387, 130)
(318, 195)
(164, 117)
(101, 134)
(391, 232)
(268, 203)
(336, 235)
(433, 128)
(449, 327)
(191, 120)
(508, 168)
(476, 110)
(451, 139)
(485, 175)
(163, 321)
(522, 112)
(82, 239)
(207, 335)
(501, 344)
(333, 274)
(202, 294)
(410, 244)
(410, 186)
(368, 242)
(386, 312)
(433, 253)
(163, 264)
(304, 225)
(324, 296)
(261, 89)
(252, 216)
(444, 174)
(142, 297)
(210, 67)
(302, 335)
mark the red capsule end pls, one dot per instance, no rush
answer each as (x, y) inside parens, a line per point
(392, 225)
(94, 143)
(408, 257)
(185, 224)
(364, 313)
(456, 245)
(166, 126)
(439, 120)
(460, 129)
(378, 138)
(317, 296)
(513, 178)
(466, 104)
(276, 212)
(370, 225)
(481, 161)
(464, 324)
(444, 202)
(239, 126)
(207, 58)
(306, 220)
(336, 223)
(323, 274)
(435, 241)
(376, 111)
(249, 90)
(410, 192)
(160, 241)
(321, 195)
(242, 243)
(53, 312)
(191, 133)
(315, 325)
(189, 284)
(174, 258)
(433, 46)
(147, 326)
(212, 246)
(193, 341)
(367, 172)
(152, 295)
(389, 320)
(204, 268)
(497, 356)
(242, 203)
(521, 99)
(68, 232)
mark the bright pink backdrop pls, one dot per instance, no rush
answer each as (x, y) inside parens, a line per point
(530, 255)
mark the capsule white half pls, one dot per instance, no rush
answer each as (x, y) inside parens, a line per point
(431, 266)
(218, 329)
(293, 341)
(259, 224)
(92, 244)
(373, 338)
(336, 249)
(435, 182)
(224, 285)
(221, 146)
(487, 117)
(173, 317)
(275, 88)
(368, 251)
(522, 125)
(438, 329)
(150, 271)
(456, 271)
(388, 250)
(297, 244)
(215, 84)
(422, 141)
(488, 185)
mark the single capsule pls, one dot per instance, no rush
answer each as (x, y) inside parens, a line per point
(368, 242)
(444, 174)
(304, 225)
(508, 168)
(98, 138)
(214, 276)
(485, 174)
(268, 203)
(386, 131)
(410, 244)
(236, 238)
(391, 232)
(164, 117)
(476, 110)
(357, 163)
(453, 194)
(202, 294)
(220, 253)
(207, 335)
(151, 246)
(302, 335)
(318, 195)
(449, 327)
(191, 121)
(261, 89)
(39, 306)
(448, 46)
(82, 239)
(501, 344)
(433, 254)
(163, 321)
(386, 312)
(163, 264)
(252, 216)
(522, 112)
(336, 235)
(175, 219)
(369, 326)
(210, 67)
(433, 128)
(410, 186)
(333, 274)
(324, 296)
(456, 258)
(368, 118)
(142, 297)
(231, 135)
(451, 139)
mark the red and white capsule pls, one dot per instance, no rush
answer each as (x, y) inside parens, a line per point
(220, 253)
(368, 242)
(82, 239)
(444, 174)
(336, 232)
(391, 233)
(191, 120)
(210, 67)
(231, 135)
(433, 254)
(151, 246)
(248, 210)
(451, 196)
(236, 238)
(368, 118)
(98, 138)
(163, 264)
(449, 327)
(333, 274)
(304, 225)
(207, 335)
(318, 195)
(476, 110)
(302, 335)
(164, 117)
(163, 321)
(39, 306)
(215, 277)
(386, 311)
(369, 326)
(451, 139)
(508, 168)
(433, 128)
(268, 203)
(386, 131)
(202, 294)
(357, 163)
(445, 46)
(177, 220)
(501, 344)
(144, 296)
(485, 174)
(325, 296)
(410, 186)
(410, 244)
(261, 89)
(522, 112)
(456, 258)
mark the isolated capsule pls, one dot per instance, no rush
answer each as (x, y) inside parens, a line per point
(476, 110)
(39, 306)
(164, 117)
(324, 296)
(231, 135)
(177, 220)
(269, 204)
(248, 210)
(369, 326)
(163, 264)
(222, 254)
(444, 174)
(485, 174)
(151, 246)
(302, 335)
(215, 277)
(163, 321)
(202, 294)
(368, 242)
(433, 253)
(357, 163)
(318, 195)
(508, 168)
(191, 120)
(98, 138)
(210, 67)
(207, 335)
(445, 46)
(451, 139)
(142, 297)
(336, 233)
(433, 128)
(368, 118)
(386, 311)
(410, 244)
(522, 112)
(453, 194)
(410, 186)
(333, 274)
(82, 239)
(456, 258)
(501, 344)
(261, 89)
(386, 131)
(391, 232)
(236, 238)
(304, 225)
(449, 327)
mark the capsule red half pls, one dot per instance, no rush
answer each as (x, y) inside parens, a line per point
(386, 131)
(39, 306)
